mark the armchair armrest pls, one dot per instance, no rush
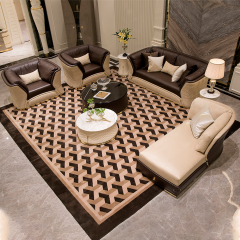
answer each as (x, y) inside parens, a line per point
(47, 70)
(70, 61)
(97, 54)
(11, 79)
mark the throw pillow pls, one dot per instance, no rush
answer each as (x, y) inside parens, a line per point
(169, 68)
(155, 64)
(186, 73)
(201, 121)
(83, 59)
(145, 58)
(178, 73)
(30, 77)
(210, 133)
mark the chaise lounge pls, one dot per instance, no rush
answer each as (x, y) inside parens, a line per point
(175, 160)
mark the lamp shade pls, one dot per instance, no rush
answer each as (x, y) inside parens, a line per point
(215, 69)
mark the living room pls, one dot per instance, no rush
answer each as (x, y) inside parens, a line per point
(41, 155)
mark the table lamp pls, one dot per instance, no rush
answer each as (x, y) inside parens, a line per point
(215, 70)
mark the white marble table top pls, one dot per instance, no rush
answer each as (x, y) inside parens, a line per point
(95, 126)
(120, 56)
(204, 93)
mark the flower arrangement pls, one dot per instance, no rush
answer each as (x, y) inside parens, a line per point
(123, 37)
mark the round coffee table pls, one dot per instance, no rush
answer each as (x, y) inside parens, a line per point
(97, 132)
(116, 101)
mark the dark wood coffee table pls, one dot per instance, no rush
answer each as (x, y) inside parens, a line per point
(116, 101)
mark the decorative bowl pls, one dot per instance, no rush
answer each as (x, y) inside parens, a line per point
(103, 82)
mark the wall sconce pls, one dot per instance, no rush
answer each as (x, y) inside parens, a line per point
(215, 70)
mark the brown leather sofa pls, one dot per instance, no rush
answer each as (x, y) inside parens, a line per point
(75, 74)
(182, 92)
(26, 95)
(175, 160)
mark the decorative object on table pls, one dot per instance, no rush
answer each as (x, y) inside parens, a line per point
(93, 87)
(215, 70)
(103, 82)
(99, 112)
(102, 95)
(123, 37)
(116, 101)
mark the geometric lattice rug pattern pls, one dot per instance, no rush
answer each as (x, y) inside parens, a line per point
(103, 179)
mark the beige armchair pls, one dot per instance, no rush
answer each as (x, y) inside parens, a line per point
(175, 160)
(77, 75)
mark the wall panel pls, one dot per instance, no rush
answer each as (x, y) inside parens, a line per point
(205, 29)
(137, 15)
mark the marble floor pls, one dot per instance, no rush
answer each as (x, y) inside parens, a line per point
(19, 52)
(202, 213)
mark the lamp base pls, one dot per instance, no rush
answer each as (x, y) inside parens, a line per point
(125, 55)
(210, 92)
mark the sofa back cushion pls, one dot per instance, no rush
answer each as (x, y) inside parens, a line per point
(137, 60)
(77, 51)
(216, 109)
(25, 67)
(209, 134)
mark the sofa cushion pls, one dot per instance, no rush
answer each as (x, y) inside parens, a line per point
(155, 64)
(169, 68)
(209, 134)
(179, 72)
(173, 156)
(145, 58)
(38, 87)
(160, 79)
(201, 120)
(91, 69)
(30, 77)
(83, 59)
(170, 56)
(187, 72)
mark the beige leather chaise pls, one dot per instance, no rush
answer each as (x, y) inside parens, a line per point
(175, 160)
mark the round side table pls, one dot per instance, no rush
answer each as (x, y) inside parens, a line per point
(123, 66)
(97, 132)
(213, 96)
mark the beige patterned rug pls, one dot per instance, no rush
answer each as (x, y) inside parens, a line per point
(103, 179)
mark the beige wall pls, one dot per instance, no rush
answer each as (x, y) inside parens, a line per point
(146, 18)
(107, 25)
(18, 10)
(12, 22)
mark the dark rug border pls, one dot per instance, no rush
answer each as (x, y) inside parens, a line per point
(92, 229)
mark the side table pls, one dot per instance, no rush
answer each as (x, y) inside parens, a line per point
(97, 132)
(213, 96)
(123, 66)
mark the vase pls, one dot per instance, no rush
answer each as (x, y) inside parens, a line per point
(124, 49)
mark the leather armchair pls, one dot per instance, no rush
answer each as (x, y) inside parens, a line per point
(177, 159)
(25, 95)
(77, 75)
